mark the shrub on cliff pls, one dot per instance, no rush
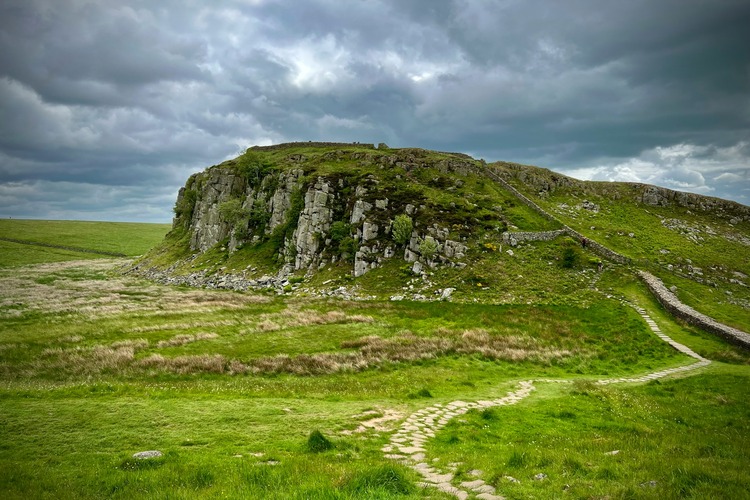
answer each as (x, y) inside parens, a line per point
(402, 228)
(428, 247)
(232, 211)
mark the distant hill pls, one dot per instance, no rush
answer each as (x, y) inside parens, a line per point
(362, 221)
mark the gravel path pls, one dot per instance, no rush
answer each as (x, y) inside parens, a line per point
(407, 443)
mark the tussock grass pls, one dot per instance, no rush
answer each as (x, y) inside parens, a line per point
(202, 363)
(185, 325)
(91, 360)
(294, 318)
(375, 351)
(182, 339)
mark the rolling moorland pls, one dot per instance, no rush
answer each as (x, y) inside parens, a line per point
(344, 321)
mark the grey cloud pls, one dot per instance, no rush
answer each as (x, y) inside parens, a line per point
(127, 95)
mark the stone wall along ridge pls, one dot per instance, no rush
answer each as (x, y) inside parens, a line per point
(515, 237)
(289, 145)
(672, 304)
(591, 245)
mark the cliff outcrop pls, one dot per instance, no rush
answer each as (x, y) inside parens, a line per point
(330, 203)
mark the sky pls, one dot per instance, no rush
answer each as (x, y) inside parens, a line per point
(106, 107)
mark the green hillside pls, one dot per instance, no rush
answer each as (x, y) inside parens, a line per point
(290, 339)
(699, 245)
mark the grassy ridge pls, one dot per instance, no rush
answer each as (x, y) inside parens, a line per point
(128, 238)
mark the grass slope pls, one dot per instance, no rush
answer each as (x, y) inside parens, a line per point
(705, 256)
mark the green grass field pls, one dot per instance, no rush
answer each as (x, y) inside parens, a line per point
(96, 366)
(128, 239)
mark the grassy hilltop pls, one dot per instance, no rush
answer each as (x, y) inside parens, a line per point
(288, 391)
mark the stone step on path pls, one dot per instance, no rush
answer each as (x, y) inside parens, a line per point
(407, 443)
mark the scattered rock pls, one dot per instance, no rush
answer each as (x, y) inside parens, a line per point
(540, 477)
(651, 484)
(145, 455)
(509, 252)
(589, 205)
(447, 293)
(613, 452)
(512, 479)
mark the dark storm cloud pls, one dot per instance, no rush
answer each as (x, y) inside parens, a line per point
(106, 107)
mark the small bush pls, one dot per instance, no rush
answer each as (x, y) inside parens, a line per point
(185, 205)
(422, 393)
(489, 414)
(428, 247)
(340, 230)
(348, 248)
(232, 212)
(317, 442)
(259, 215)
(253, 167)
(517, 460)
(402, 228)
(384, 478)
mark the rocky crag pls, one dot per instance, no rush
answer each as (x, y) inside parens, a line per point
(315, 204)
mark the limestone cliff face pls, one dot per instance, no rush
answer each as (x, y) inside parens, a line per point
(297, 208)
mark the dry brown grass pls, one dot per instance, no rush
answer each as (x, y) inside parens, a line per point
(185, 325)
(407, 347)
(200, 363)
(91, 360)
(293, 318)
(183, 339)
(268, 325)
(76, 288)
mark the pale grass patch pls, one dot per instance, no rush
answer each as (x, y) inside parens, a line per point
(307, 317)
(91, 360)
(268, 326)
(200, 363)
(182, 326)
(182, 339)
(77, 290)
(310, 364)
(406, 347)
(86, 361)
(136, 344)
(380, 420)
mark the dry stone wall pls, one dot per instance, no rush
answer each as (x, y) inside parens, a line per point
(513, 238)
(591, 245)
(672, 304)
(289, 145)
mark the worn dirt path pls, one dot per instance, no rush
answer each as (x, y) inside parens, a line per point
(407, 443)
